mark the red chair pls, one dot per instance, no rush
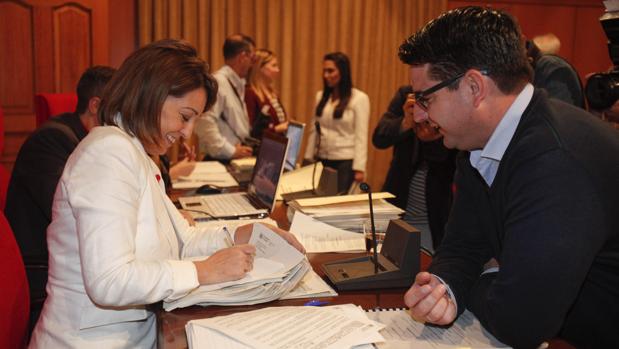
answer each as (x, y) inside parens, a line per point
(47, 105)
(14, 293)
(1, 130)
(5, 177)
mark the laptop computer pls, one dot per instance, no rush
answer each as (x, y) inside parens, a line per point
(295, 138)
(259, 200)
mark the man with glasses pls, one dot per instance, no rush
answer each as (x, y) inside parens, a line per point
(223, 129)
(537, 191)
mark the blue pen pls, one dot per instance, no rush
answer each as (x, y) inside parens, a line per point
(316, 303)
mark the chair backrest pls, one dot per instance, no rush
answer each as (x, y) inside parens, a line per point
(1, 130)
(14, 293)
(5, 178)
(47, 105)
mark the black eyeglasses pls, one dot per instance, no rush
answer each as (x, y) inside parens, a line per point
(421, 97)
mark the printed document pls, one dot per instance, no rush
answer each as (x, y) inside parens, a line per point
(318, 237)
(333, 327)
(402, 332)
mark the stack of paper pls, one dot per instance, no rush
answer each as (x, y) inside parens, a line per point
(348, 212)
(402, 332)
(318, 237)
(339, 326)
(299, 180)
(206, 172)
(244, 164)
(278, 268)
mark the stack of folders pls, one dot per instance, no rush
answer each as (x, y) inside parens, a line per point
(348, 212)
(339, 326)
(300, 180)
(278, 269)
(244, 164)
(206, 172)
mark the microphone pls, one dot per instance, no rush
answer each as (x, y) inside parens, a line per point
(366, 188)
(319, 136)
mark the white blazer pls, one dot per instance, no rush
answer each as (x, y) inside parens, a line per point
(116, 243)
(345, 138)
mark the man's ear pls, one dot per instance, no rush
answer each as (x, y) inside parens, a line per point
(93, 105)
(477, 84)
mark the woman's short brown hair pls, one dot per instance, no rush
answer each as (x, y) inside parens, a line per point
(145, 79)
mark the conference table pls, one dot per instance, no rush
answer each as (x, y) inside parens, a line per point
(171, 325)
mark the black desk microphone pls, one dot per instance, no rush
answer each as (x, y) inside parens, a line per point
(366, 188)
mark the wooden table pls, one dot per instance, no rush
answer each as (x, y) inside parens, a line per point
(171, 325)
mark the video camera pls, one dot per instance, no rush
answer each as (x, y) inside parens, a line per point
(602, 89)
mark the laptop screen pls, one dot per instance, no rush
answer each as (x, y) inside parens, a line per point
(268, 169)
(295, 137)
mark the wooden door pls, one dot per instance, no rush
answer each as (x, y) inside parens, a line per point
(45, 45)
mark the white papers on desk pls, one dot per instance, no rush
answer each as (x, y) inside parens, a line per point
(299, 180)
(230, 224)
(318, 237)
(311, 286)
(340, 326)
(278, 268)
(206, 172)
(348, 212)
(244, 164)
(402, 332)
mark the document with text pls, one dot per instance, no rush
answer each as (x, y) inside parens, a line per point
(334, 327)
(318, 237)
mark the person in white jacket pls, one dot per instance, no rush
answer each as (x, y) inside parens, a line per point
(343, 113)
(116, 242)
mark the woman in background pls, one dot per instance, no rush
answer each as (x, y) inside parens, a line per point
(116, 241)
(343, 113)
(263, 106)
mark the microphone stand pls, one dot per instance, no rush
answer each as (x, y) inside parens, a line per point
(319, 135)
(366, 188)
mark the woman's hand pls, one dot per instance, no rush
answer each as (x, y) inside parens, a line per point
(282, 127)
(226, 265)
(243, 233)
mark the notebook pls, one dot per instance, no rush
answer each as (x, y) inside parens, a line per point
(295, 138)
(259, 200)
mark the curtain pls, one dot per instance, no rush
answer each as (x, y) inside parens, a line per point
(300, 32)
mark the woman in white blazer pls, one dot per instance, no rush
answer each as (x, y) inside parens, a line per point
(116, 242)
(343, 113)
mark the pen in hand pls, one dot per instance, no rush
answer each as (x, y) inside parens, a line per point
(228, 237)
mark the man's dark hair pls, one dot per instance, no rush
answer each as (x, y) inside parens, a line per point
(344, 87)
(237, 43)
(471, 38)
(91, 84)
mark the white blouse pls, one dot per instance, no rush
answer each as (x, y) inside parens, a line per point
(345, 138)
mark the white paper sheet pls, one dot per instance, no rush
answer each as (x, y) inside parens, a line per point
(318, 237)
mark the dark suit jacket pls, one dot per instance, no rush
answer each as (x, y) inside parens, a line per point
(559, 79)
(37, 169)
(551, 220)
(408, 154)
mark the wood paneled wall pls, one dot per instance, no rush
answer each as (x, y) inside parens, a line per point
(574, 22)
(45, 46)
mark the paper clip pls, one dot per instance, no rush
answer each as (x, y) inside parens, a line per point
(316, 303)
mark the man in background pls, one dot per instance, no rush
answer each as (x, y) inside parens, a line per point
(537, 191)
(223, 129)
(555, 75)
(421, 171)
(38, 168)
